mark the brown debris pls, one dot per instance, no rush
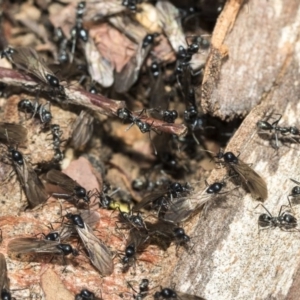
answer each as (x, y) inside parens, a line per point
(60, 292)
(113, 45)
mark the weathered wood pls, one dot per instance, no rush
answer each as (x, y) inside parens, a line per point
(231, 259)
(262, 39)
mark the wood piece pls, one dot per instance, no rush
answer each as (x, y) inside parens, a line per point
(60, 292)
(95, 102)
(231, 259)
(258, 45)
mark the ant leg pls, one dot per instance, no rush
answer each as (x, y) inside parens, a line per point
(277, 121)
(260, 204)
(276, 139)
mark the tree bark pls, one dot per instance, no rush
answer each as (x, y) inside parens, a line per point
(231, 258)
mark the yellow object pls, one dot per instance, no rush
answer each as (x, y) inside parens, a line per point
(123, 207)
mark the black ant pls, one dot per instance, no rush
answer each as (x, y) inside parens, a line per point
(126, 115)
(266, 126)
(42, 110)
(285, 221)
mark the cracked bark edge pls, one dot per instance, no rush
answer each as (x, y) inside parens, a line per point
(231, 258)
(259, 44)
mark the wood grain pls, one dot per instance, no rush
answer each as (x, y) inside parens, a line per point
(231, 258)
(264, 36)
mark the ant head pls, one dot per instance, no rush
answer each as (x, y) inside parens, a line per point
(215, 188)
(16, 156)
(69, 216)
(75, 252)
(229, 157)
(81, 193)
(5, 295)
(220, 155)
(52, 80)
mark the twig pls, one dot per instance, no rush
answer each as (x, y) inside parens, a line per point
(98, 103)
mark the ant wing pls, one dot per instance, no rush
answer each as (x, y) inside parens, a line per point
(184, 296)
(180, 210)
(133, 30)
(148, 199)
(4, 281)
(257, 185)
(137, 238)
(12, 133)
(34, 188)
(61, 179)
(82, 129)
(129, 74)
(65, 232)
(28, 60)
(169, 16)
(100, 68)
(29, 245)
(97, 10)
(99, 254)
(90, 217)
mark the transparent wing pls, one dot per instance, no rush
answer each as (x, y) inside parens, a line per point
(257, 186)
(62, 180)
(100, 68)
(32, 245)
(82, 129)
(184, 296)
(28, 60)
(33, 187)
(184, 207)
(161, 228)
(131, 29)
(170, 18)
(129, 74)
(98, 9)
(12, 133)
(137, 238)
(65, 232)
(91, 218)
(157, 99)
(21, 58)
(149, 198)
(180, 210)
(99, 254)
